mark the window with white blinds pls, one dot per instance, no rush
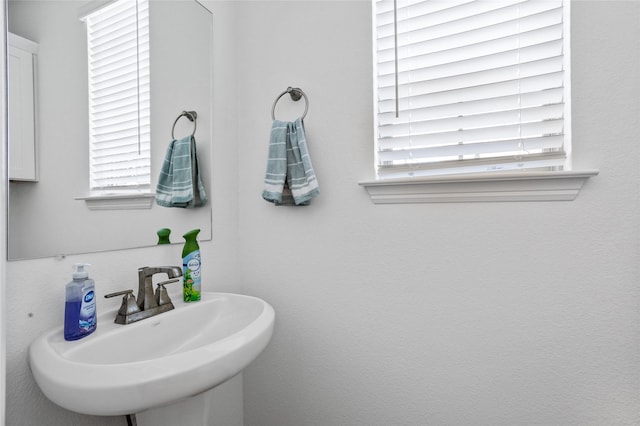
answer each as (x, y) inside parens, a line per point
(119, 106)
(471, 86)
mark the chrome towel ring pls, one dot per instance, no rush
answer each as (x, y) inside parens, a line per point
(191, 115)
(295, 93)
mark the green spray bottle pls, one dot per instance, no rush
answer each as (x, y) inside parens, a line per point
(191, 266)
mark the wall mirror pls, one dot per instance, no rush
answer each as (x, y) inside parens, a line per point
(45, 217)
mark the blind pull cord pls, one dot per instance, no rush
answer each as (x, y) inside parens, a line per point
(395, 51)
(138, 73)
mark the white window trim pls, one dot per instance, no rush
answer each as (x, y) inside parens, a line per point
(423, 68)
(502, 186)
(119, 201)
(482, 187)
(113, 191)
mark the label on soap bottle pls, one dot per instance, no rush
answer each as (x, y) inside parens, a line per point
(87, 317)
(191, 276)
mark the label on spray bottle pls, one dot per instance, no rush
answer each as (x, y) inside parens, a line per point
(191, 276)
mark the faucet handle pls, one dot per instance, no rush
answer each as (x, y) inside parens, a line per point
(128, 306)
(162, 297)
(118, 293)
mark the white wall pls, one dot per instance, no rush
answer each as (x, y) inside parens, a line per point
(516, 313)
(454, 314)
(3, 218)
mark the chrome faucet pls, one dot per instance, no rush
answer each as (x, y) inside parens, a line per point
(146, 299)
(148, 304)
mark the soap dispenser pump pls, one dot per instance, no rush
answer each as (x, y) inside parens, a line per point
(80, 305)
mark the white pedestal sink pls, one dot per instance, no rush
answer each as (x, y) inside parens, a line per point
(173, 358)
(220, 406)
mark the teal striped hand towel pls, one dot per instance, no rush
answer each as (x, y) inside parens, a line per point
(289, 179)
(179, 183)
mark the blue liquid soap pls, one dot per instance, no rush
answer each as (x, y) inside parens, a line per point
(71, 320)
(80, 306)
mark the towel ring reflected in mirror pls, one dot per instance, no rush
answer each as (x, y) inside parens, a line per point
(191, 115)
(296, 93)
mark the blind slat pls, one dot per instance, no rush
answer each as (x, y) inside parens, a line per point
(459, 137)
(542, 161)
(421, 112)
(509, 147)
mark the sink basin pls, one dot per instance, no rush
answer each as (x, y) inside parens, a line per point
(124, 369)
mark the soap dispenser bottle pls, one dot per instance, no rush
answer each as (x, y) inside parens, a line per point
(191, 267)
(80, 305)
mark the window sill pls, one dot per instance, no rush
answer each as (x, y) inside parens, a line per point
(486, 187)
(119, 202)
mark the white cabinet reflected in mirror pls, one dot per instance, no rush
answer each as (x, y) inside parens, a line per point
(22, 60)
(45, 217)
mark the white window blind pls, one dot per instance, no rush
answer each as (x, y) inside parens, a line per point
(119, 106)
(478, 86)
